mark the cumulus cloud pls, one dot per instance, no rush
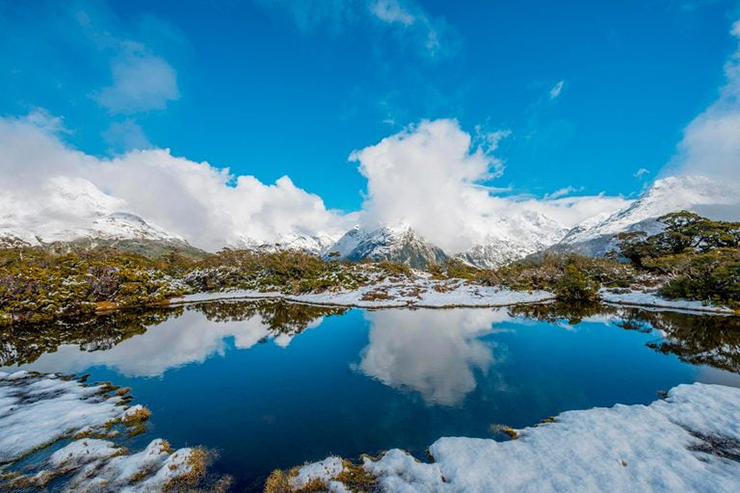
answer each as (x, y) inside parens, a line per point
(141, 82)
(434, 177)
(557, 89)
(437, 354)
(208, 206)
(711, 142)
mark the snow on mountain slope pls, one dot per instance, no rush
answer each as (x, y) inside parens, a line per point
(313, 244)
(510, 239)
(398, 243)
(514, 238)
(700, 194)
(73, 209)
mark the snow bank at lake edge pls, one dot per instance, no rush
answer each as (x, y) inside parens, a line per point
(460, 295)
(38, 410)
(652, 299)
(681, 443)
(419, 292)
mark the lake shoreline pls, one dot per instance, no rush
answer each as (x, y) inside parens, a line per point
(680, 443)
(496, 298)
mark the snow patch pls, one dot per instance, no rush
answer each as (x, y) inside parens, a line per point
(652, 299)
(324, 471)
(420, 291)
(683, 443)
(36, 410)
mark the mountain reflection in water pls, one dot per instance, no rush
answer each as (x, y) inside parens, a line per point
(271, 384)
(147, 343)
(401, 343)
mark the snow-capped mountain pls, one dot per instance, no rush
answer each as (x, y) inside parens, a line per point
(313, 244)
(397, 243)
(510, 239)
(514, 238)
(77, 212)
(74, 210)
(703, 195)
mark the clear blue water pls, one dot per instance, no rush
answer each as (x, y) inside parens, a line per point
(272, 385)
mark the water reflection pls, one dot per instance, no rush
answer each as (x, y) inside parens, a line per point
(165, 338)
(696, 339)
(437, 353)
(433, 352)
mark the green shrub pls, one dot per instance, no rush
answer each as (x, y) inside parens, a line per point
(394, 268)
(575, 285)
(711, 277)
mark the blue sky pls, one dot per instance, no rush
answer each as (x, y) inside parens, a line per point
(591, 92)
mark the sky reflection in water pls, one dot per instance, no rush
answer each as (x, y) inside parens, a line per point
(271, 384)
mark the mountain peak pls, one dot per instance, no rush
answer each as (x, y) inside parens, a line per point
(397, 243)
(701, 194)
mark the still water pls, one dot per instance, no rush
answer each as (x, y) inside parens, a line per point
(271, 384)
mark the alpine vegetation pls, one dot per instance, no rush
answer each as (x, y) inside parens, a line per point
(369, 246)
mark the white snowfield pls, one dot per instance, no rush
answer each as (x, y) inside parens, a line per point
(420, 292)
(651, 299)
(687, 442)
(36, 410)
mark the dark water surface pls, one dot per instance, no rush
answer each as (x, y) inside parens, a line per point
(270, 384)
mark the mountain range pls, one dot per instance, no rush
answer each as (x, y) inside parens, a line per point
(77, 213)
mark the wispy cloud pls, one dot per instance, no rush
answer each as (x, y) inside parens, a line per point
(125, 135)
(433, 36)
(562, 192)
(557, 89)
(641, 172)
(711, 142)
(141, 81)
(391, 11)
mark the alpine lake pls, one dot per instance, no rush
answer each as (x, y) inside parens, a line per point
(270, 384)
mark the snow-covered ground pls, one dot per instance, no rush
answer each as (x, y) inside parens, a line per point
(420, 291)
(424, 292)
(687, 442)
(651, 299)
(37, 410)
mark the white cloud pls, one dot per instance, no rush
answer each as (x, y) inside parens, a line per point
(557, 89)
(562, 192)
(126, 135)
(571, 211)
(141, 82)
(431, 35)
(711, 142)
(208, 206)
(437, 354)
(641, 172)
(433, 177)
(392, 11)
(415, 19)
